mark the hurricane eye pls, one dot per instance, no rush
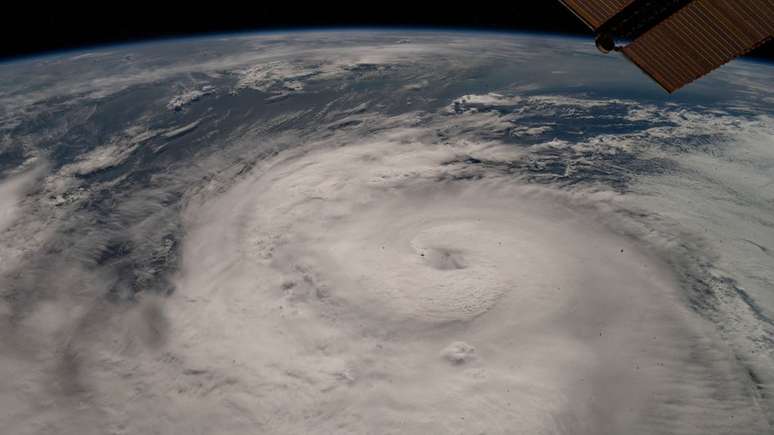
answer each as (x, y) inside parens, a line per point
(444, 258)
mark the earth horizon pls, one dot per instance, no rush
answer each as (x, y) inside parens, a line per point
(383, 231)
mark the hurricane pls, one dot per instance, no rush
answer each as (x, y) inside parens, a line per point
(411, 234)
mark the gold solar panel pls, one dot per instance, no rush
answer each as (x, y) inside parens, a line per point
(700, 37)
(595, 13)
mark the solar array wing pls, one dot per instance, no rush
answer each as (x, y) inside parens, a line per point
(595, 13)
(700, 37)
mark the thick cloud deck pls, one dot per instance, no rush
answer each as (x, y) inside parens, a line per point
(383, 232)
(367, 289)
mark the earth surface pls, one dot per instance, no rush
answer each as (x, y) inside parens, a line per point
(383, 232)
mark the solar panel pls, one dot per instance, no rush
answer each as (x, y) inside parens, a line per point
(700, 37)
(595, 13)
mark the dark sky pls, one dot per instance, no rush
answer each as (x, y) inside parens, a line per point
(35, 27)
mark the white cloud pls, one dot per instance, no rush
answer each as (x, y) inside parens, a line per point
(100, 158)
(369, 259)
(11, 191)
(373, 271)
(188, 97)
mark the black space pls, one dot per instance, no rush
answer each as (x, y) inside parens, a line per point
(38, 28)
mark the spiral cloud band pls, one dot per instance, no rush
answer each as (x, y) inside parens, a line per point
(382, 233)
(381, 287)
